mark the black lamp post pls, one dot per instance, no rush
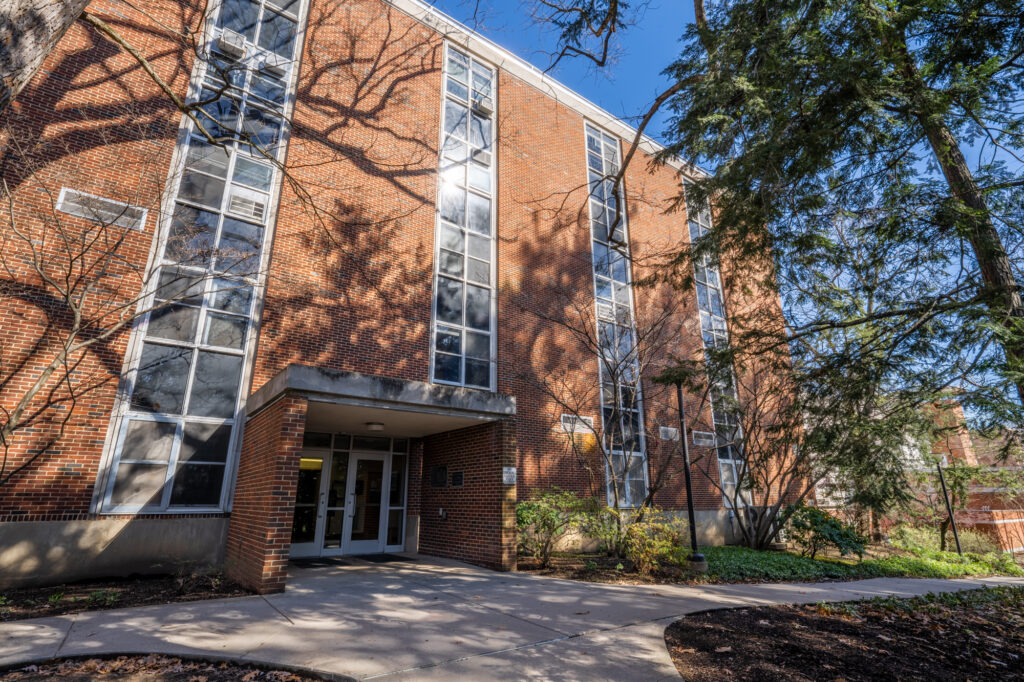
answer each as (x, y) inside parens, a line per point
(696, 561)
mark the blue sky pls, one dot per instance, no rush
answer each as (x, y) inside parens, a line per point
(625, 88)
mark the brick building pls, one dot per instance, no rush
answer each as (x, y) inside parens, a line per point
(360, 297)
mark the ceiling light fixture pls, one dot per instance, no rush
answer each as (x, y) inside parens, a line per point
(374, 426)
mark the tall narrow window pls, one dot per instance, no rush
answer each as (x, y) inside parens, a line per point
(711, 303)
(176, 430)
(621, 403)
(463, 344)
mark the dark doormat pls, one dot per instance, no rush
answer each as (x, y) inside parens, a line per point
(320, 561)
(384, 558)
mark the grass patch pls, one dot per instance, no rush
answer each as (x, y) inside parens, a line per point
(740, 564)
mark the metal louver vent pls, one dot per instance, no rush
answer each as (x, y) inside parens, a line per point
(244, 206)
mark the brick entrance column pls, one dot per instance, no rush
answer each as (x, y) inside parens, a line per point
(259, 534)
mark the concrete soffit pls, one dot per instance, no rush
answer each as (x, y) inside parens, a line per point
(367, 390)
(505, 60)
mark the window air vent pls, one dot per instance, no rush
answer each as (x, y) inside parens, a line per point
(704, 439)
(668, 433)
(244, 206)
(482, 157)
(572, 423)
(605, 313)
(101, 211)
(483, 107)
(231, 43)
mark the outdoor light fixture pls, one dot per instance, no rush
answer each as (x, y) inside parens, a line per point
(374, 426)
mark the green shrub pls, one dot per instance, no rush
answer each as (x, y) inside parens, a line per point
(917, 538)
(813, 530)
(547, 517)
(655, 541)
(607, 526)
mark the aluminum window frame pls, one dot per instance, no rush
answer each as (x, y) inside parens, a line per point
(123, 414)
(640, 434)
(439, 225)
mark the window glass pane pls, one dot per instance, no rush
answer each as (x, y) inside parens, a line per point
(458, 66)
(448, 340)
(224, 330)
(455, 149)
(593, 143)
(479, 214)
(479, 177)
(374, 443)
(239, 16)
(449, 300)
(290, 6)
(447, 367)
(215, 387)
(219, 116)
(206, 157)
(148, 440)
(395, 519)
(455, 118)
(269, 88)
(452, 238)
(161, 378)
(478, 373)
(175, 322)
(239, 247)
(396, 497)
(599, 219)
(204, 442)
(314, 439)
(450, 263)
(192, 235)
(453, 204)
(231, 295)
(201, 189)
(601, 260)
(478, 307)
(221, 70)
(480, 132)
(180, 285)
(482, 81)
(478, 271)
(138, 484)
(603, 287)
(620, 268)
(277, 34)
(453, 172)
(262, 129)
(458, 89)
(478, 345)
(479, 247)
(252, 174)
(637, 492)
(197, 485)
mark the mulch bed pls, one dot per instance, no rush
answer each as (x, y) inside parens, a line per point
(37, 602)
(152, 668)
(595, 568)
(855, 641)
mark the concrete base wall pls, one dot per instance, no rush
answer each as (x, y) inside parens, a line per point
(714, 527)
(51, 552)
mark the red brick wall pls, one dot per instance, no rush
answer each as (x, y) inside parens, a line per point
(91, 120)
(478, 525)
(259, 536)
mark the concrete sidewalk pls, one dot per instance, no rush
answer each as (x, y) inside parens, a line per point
(433, 619)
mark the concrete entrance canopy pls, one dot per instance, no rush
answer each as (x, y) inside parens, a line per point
(469, 515)
(345, 401)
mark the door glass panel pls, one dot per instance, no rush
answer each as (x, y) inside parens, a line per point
(397, 498)
(306, 493)
(395, 517)
(335, 520)
(368, 488)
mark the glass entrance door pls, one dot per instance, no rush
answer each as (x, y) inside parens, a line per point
(307, 520)
(366, 503)
(350, 498)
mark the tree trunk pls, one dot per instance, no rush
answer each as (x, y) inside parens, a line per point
(29, 30)
(1004, 294)
(943, 528)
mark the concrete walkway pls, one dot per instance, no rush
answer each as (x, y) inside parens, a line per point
(432, 619)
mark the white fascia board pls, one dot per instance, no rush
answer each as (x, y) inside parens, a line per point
(508, 62)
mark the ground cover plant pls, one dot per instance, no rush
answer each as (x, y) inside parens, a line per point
(744, 565)
(976, 635)
(92, 595)
(153, 668)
